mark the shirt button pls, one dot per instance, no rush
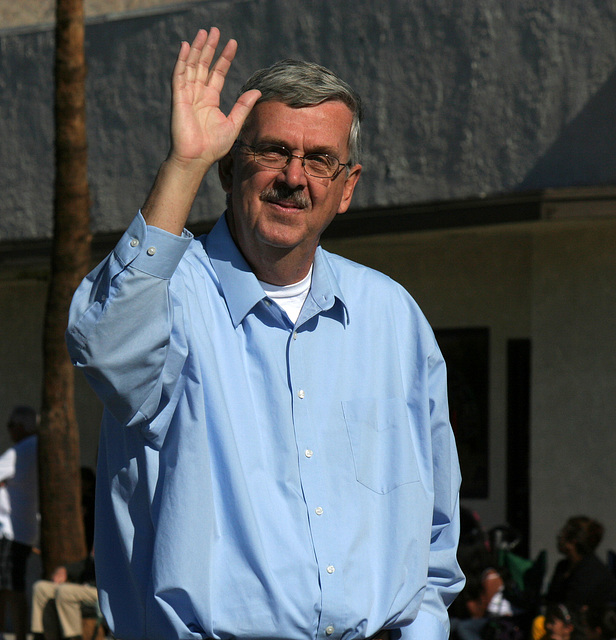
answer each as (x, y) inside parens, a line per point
(308, 453)
(329, 630)
(301, 394)
(134, 242)
(319, 511)
(330, 569)
(295, 335)
(268, 303)
(151, 251)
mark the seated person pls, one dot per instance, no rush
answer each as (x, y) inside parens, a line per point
(581, 579)
(559, 623)
(483, 593)
(69, 588)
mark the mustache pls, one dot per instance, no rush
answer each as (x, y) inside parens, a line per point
(284, 193)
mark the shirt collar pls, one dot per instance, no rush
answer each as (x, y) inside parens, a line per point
(242, 290)
(240, 287)
(324, 291)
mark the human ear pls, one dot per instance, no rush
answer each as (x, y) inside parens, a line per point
(349, 187)
(225, 172)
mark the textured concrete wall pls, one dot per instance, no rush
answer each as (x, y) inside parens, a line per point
(461, 98)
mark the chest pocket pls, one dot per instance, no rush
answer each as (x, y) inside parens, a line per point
(381, 442)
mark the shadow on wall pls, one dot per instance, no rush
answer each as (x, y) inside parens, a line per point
(583, 155)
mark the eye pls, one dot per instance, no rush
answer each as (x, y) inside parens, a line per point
(321, 164)
(271, 152)
(322, 160)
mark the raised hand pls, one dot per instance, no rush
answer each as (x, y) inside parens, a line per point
(201, 133)
(199, 129)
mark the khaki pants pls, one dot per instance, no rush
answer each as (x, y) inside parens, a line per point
(68, 598)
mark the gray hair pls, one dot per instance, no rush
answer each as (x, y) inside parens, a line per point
(297, 84)
(26, 417)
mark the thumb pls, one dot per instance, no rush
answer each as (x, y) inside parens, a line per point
(242, 108)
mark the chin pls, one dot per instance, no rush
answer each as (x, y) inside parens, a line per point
(281, 235)
(279, 241)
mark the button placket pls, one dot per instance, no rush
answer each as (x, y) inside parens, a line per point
(326, 552)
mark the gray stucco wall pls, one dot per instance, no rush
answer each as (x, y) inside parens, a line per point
(461, 98)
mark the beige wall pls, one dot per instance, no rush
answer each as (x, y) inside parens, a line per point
(22, 304)
(21, 326)
(574, 378)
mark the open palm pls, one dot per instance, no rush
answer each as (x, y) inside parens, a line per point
(199, 129)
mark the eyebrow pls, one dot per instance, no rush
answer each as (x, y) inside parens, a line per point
(281, 143)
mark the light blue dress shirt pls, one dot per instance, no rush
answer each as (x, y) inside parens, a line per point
(259, 479)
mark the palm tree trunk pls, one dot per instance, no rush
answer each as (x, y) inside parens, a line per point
(62, 530)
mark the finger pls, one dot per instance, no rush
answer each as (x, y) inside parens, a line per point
(218, 73)
(207, 55)
(194, 54)
(242, 108)
(178, 77)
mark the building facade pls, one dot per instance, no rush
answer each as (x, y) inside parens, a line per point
(489, 192)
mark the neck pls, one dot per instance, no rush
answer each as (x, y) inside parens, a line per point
(282, 270)
(574, 557)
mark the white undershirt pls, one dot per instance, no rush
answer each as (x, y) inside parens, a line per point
(290, 297)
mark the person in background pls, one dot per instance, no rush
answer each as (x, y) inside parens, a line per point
(559, 624)
(482, 597)
(18, 516)
(580, 578)
(69, 588)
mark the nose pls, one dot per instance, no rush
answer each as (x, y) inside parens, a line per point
(294, 174)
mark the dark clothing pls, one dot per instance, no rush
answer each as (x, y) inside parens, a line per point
(82, 572)
(590, 582)
(13, 558)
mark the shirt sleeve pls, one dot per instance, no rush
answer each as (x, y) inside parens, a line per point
(121, 321)
(445, 578)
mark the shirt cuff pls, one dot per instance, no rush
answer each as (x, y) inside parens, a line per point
(150, 249)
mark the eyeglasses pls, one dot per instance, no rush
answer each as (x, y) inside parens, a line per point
(273, 156)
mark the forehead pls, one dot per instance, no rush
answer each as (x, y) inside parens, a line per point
(325, 125)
